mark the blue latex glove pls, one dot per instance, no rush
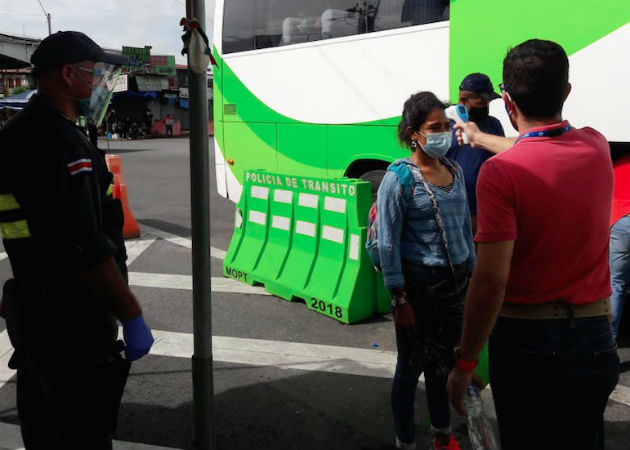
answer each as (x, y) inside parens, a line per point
(138, 338)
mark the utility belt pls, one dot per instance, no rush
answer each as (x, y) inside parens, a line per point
(557, 310)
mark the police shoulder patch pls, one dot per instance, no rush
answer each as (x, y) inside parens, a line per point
(79, 166)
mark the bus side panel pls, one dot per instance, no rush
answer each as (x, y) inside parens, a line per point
(302, 149)
(241, 104)
(217, 106)
(481, 48)
(251, 146)
(347, 142)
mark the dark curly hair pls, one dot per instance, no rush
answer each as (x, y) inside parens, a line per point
(415, 112)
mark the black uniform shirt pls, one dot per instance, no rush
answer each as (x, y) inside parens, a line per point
(57, 183)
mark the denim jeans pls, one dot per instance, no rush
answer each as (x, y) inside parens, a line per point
(409, 366)
(551, 380)
(619, 257)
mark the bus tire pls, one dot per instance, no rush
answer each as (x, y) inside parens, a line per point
(374, 177)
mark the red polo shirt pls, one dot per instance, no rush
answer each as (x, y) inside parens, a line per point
(552, 196)
(621, 194)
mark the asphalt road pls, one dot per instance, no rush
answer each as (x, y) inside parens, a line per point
(285, 377)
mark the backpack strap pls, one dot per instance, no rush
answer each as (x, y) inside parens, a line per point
(454, 168)
(405, 177)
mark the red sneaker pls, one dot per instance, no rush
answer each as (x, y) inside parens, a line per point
(452, 444)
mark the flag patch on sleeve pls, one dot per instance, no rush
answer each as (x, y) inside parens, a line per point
(80, 165)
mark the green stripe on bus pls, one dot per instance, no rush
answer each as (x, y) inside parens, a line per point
(479, 45)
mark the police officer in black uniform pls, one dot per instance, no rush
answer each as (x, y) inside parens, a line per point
(62, 231)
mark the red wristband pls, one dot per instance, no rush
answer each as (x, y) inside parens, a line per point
(466, 366)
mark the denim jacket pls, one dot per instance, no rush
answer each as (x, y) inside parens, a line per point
(408, 230)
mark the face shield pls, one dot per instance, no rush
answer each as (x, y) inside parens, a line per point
(104, 77)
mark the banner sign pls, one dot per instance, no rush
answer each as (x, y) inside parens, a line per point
(122, 84)
(141, 56)
(162, 65)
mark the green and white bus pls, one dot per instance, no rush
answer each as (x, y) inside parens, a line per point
(316, 87)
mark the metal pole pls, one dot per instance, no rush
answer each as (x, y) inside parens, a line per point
(203, 389)
(49, 30)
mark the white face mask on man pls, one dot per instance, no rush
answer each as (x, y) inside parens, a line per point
(437, 144)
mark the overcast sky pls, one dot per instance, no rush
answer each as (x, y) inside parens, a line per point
(111, 23)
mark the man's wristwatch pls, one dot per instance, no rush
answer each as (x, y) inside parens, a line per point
(397, 299)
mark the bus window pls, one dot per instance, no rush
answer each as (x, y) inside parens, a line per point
(256, 24)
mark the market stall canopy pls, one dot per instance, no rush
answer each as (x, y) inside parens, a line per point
(17, 101)
(9, 63)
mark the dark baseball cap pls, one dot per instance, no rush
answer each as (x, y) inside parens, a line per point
(480, 84)
(69, 47)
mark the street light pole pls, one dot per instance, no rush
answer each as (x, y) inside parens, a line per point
(47, 17)
(203, 384)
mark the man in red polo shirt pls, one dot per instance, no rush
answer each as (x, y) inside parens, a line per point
(541, 284)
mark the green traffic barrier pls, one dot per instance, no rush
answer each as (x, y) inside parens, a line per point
(305, 238)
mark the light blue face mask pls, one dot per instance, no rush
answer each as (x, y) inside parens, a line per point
(437, 144)
(92, 106)
(102, 78)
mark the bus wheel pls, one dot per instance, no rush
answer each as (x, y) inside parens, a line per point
(374, 177)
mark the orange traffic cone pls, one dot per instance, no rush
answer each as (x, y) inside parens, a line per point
(130, 227)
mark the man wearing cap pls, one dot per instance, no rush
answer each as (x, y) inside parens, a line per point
(476, 93)
(62, 231)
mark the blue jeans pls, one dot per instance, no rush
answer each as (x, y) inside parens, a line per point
(551, 380)
(619, 257)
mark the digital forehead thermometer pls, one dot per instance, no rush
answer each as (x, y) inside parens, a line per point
(458, 114)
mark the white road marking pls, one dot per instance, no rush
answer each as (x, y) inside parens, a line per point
(3, 255)
(11, 438)
(182, 241)
(284, 355)
(6, 350)
(621, 394)
(135, 247)
(184, 282)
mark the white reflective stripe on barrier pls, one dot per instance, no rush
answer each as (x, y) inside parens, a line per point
(335, 204)
(260, 192)
(281, 223)
(354, 246)
(282, 196)
(307, 200)
(332, 234)
(305, 228)
(257, 217)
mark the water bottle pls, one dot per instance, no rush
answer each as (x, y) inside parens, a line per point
(480, 430)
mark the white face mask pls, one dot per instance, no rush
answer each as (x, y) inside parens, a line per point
(437, 144)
